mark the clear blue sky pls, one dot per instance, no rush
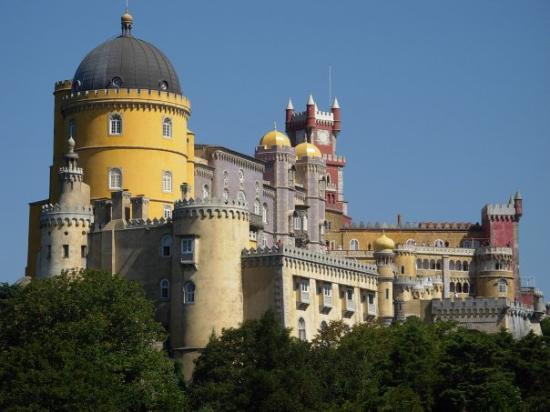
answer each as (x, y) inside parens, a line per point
(445, 104)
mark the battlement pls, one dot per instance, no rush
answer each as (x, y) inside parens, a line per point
(314, 257)
(507, 209)
(58, 215)
(461, 226)
(334, 158)
(137, 223)
(212, 207)
(63, 85)
(130, 96)
(479, 306)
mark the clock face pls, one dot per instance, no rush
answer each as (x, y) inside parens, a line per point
(323, 136)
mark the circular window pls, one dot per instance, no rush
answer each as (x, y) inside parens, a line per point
(116, 82)
(163, 85)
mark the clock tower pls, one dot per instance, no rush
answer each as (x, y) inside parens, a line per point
(322, 129)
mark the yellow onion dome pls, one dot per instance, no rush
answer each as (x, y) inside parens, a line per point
(307, 149)
(383, 243)
(274, 138)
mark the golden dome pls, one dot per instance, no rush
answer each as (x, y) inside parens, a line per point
(383, 243)
(307, 149)
(127, 17)
(274, 138)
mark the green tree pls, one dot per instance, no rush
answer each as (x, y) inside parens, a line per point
(83, 342)
(545, 327)
(257, 367)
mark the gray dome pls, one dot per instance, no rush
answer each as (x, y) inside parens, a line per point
(126, 62)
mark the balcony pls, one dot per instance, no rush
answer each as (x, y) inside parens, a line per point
(256, 221)
(187, 258)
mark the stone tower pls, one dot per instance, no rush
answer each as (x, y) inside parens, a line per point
(206, 273)
(280, 159)
(321, 129)
(384, 255)
(64, 226)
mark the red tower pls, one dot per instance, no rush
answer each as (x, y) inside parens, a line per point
(321, 129)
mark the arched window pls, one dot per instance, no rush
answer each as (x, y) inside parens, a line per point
(166, 246)
(328, 178)
(264, 213)
(297, 223)
(164, 288)
(438, 264)
(410, 242)
(167, 211)
(452, 265)
(502, 286)
(167, 127)
(323, 325)
(301, 329)
(304, 222)
(115, 124)
(369, 246)
(465, 288)
(72, 128)
(166, 182)
(498, 265)
(439, 243)
(258, 188)
(458, 287)
(241, 177)
(115, 179)
(419, 263)
(189, 293)
(465, 266)
(256, 207)
(354, 244)
(458, 265)
(432, 264)
(425, 264)
(225, 195)
(402, 270)
(451, 287)
(205, 192)
(241, 197)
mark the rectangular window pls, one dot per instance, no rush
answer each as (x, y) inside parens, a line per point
(186, 246)
(349, 294)
(83, 251)
(327, 290)
(387, 293)
(371, 299)
(167, 211)
(304, 285)
(65, 251)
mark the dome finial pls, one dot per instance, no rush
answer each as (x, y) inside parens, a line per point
(126, 21)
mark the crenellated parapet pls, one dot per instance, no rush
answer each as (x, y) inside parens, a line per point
(56, 215)
(146, 223)
(211, 208)
(132, 99)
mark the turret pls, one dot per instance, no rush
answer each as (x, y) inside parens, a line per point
(518, 205)
(495, 272)
(384, 255)
(310, 116)
(289, 112)
(65, 225)
(206, 272)
(337, 125)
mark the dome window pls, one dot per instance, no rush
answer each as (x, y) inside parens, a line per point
(116, 82)
(77, 84)
(163, 85)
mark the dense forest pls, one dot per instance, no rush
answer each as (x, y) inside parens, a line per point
(88, 343)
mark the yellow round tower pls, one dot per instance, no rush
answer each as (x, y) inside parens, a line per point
(126, 111)
(384, 255)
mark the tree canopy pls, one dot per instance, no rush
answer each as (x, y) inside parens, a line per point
(83, 342)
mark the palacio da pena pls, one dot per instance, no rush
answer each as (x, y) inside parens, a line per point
(216, 237)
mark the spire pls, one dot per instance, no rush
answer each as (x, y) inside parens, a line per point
(310, 100)
(289, 106)
(126, 21)
(335, 104)
(518, 196)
